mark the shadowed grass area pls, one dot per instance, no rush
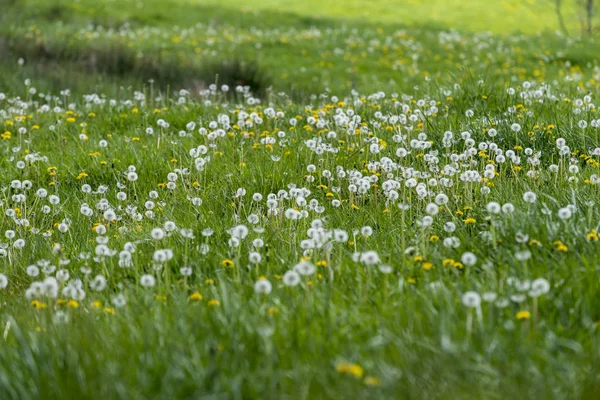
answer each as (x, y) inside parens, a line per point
(117, 62)
(186, 44)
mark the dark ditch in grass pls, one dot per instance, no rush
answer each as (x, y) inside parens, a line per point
(116, 62)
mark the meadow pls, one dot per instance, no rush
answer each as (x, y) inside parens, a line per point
(286, 200)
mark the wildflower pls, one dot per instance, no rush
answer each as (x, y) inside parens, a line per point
(448, 262)
(98, 283)
(291, 278)
(489, 297)
(369, 258)
(523, 255)
(529, 197)
(340, 236)
(468, 259)
(493, 207)
(471, 299)
(441, 199)
(82, 175)
(255, 257)
(195, 296)
(147, 281)
(263, 286)
(305, 268)
(564, 213)
(508, 208)
(72, 304)
(227, 263)
(119, 300)
(371, 381)
(38, 304)
(60, 317)
(157, 233)
(449, 227)
(349, 369)
(432, 209)
(560, 246)
(539, 287)
(240, 232)
(523, 314)
(214, 303)
(385, 269)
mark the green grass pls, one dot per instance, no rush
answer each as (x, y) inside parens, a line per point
(505, 16)
(392, 328)
(298, 53)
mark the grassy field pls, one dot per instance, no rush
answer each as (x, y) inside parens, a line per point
(297, 200)
(504, 16)
(81, 44)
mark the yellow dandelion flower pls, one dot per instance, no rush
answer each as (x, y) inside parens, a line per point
(82, 175)
(349, 369)
(371, 381)
(195, 296)
(523, 314)
(73, 304)
(38, 304)
(448, 261)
